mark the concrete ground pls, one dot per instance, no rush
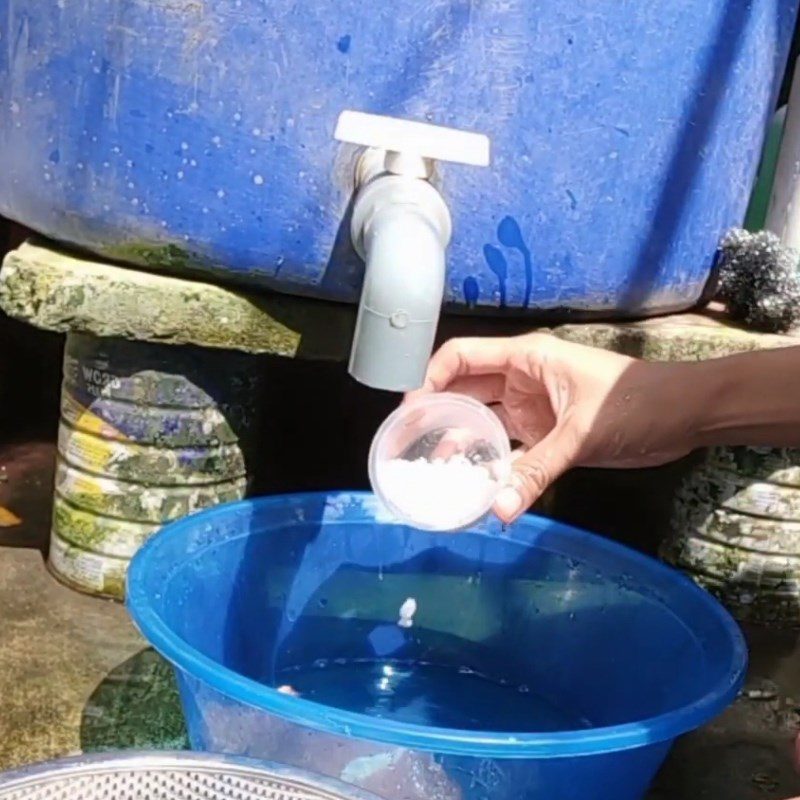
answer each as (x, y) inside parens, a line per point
(75, 676)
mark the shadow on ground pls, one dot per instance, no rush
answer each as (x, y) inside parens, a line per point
(747, 752)
(135, 706)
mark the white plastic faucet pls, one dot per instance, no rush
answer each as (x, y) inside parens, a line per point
(401, 228)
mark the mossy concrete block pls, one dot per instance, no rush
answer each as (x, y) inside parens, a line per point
(60, 291)
(67, 292)
(682, 337)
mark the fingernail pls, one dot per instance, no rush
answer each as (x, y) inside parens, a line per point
(508, 503)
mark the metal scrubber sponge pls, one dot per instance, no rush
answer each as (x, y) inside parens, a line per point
(759, 281)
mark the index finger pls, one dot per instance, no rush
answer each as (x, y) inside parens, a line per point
(460, 358)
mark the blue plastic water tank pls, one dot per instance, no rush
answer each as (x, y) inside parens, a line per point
(194, 134)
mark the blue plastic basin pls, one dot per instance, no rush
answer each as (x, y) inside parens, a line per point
(235, 595)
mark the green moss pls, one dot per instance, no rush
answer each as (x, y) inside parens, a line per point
(78, 528)
(651, 341)
(157, 505)
(167, 256)
(158, 468)
(71, 552)
(114, 586)
(136, 706)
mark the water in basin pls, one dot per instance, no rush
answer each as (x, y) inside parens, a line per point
(424, 693)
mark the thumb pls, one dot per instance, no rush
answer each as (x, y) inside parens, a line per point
(533, 472)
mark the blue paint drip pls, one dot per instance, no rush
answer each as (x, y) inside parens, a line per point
(471, 291)
(498, 265)
(510, 235)
(343, 45)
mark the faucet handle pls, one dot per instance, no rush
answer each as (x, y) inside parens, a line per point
(406, 141)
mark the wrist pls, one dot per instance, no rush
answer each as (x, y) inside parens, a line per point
(713, 399)
(690, 395)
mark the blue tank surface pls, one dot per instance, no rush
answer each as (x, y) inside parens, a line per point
(197, 136)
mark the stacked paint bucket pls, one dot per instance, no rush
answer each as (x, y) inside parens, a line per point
(147, 434)
(736, 530)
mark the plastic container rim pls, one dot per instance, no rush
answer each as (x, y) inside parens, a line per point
(430, 400)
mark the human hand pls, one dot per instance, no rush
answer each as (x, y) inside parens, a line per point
(570, 405)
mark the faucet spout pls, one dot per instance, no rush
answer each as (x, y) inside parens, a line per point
(401, 228)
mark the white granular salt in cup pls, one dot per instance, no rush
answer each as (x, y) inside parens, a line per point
(437, 463)
(428, 492)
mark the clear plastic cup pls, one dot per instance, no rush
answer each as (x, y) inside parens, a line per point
(437, 462)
